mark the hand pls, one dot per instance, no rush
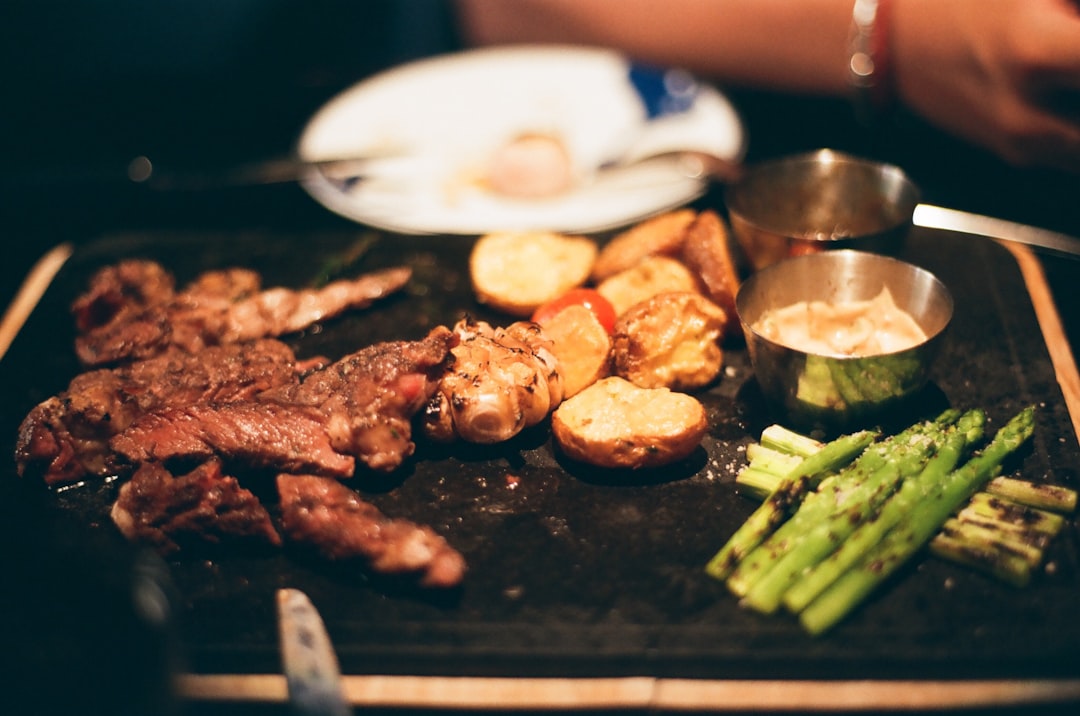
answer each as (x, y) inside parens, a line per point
(1005, 74)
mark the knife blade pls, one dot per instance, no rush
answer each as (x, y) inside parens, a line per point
(311, 666)
(938, 217)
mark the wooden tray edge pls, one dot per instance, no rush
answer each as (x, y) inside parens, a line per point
(483, 693)
(1053, 332)
(30, 292)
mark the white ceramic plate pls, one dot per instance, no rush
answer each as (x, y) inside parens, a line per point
(436, 122)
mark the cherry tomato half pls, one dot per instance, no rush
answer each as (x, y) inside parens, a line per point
(587, 297)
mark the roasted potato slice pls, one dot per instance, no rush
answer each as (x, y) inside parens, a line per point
(616, 424)
(516, 272)
(706, 250)
(671, 340)
(648, 277)
(661, 234)
(581, 346)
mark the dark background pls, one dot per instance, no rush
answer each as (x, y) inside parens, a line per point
(87, 86)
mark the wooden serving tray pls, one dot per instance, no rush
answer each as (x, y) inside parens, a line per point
(586, 589)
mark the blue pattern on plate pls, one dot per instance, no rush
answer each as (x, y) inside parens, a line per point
(663, 91)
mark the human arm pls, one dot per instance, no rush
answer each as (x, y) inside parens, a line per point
(1001, 74)
(790, 45)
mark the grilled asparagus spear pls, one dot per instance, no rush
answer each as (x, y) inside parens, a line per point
(922, 522)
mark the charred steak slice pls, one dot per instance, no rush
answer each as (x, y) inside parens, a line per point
(334, 520)
(369, 398)
(126, 288)
(65, 438)
(360, 407)
(120, 318)
(278, 311)
(260, 435)
(202, 507)
(122, 314)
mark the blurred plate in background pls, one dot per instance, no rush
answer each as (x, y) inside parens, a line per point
(438, 121)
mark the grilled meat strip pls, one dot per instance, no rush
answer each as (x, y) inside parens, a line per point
(328, 516)
(203, 506)
(131, 311)
(360, 407)
(65, 438)
(259, 435)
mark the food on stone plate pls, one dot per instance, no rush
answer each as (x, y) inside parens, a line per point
(188, 395)
(359, 408)
(331, 518)
(356, 410)
(662, 234)
(132, 309)
(517, 272)
(65, 438)
(671, 340)
(228, 397)
(616, 424)
(674, 342)
(851, 328)
(581, 343)
(706, 250)
(838, 519)
(645, 279)
(698, 240)
(175, 512)
(530, 166)
(499, 382)
(172, 513)
(588, 298)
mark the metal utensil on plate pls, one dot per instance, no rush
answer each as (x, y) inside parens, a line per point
(142, 170)
(311, 666)
(663, 92)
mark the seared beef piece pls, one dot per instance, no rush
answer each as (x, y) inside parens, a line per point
(203, 506)
(65, 438)
(370, 397)
(120, 319)
(124, 288)
(264, 435)
(122, 313)
(359, 407)
(327, 515)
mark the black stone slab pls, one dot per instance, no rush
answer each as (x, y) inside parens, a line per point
(573, 572)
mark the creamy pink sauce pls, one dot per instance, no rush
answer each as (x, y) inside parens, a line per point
(855, 328)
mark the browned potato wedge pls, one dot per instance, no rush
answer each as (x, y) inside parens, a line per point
(706, 251)
(614, 423)
(646, 278)
(662, 234)
(671, 340)
(581, 346)
(516, 272)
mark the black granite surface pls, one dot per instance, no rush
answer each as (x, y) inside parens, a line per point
(581, 572)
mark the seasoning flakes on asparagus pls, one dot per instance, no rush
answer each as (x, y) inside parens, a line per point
(838, 518)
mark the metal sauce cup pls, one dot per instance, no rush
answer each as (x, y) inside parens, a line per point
(834, 393)
(819, 201)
